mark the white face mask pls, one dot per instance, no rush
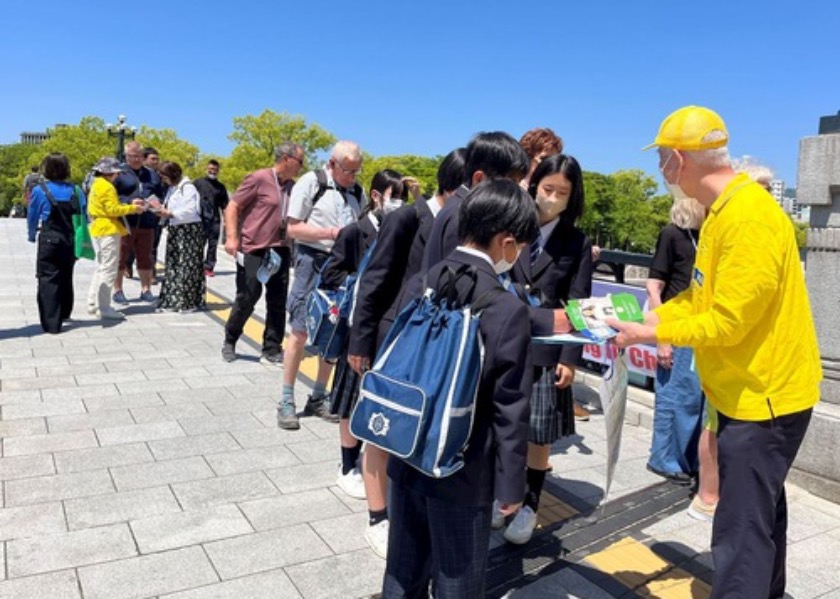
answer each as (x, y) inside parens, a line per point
(502, 266)
(673, 188)
(211, 176)
(390, 204)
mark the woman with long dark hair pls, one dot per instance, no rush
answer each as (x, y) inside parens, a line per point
(557, 268)
(184, 288)
(52, 206)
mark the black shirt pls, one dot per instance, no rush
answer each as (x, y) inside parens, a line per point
(141, 183)
(673, 260)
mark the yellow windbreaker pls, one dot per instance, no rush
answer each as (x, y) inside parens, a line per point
(105, 209)
(746, 312)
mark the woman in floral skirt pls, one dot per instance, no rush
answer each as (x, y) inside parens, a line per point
(184, 288)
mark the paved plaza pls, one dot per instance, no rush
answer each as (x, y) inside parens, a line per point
(136, 463)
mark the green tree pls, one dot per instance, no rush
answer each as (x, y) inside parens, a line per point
(84, 144)
(422, 168)
(171, 147)
(14, 165)
(257, 136)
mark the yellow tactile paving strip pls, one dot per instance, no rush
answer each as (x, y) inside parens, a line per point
(220, 308)
(637, 567)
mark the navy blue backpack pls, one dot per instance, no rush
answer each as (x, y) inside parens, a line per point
(418, 400)
(328, 312)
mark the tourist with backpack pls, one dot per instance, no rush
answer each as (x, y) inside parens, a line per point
(322, 203)
(557, 268)
(52, 205)
(440, 527)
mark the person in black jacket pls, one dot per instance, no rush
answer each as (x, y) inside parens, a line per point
(396, 259)
(350, 246)
(557, 268)
(440, 528)
(214, 200)
(137, 181)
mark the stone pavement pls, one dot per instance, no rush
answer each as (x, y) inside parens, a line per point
(135, 463)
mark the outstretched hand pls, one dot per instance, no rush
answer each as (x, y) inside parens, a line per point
(631, 333)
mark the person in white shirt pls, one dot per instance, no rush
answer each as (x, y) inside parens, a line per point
(184, 288)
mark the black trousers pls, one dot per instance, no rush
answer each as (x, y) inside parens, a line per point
(749, 534)
(54, 270)
(248, 292)
(213, 232)
(438, 542)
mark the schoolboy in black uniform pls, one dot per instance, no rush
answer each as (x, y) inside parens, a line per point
(440, 528)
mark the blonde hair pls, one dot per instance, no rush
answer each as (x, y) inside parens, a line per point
(754, 170)
(688, 213)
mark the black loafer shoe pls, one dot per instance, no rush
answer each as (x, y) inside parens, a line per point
(678, 478)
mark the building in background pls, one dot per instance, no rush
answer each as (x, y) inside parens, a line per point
(34, 138)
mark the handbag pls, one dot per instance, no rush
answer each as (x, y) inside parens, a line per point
(81, 233)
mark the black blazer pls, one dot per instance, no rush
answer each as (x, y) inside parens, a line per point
(396, 258)
(443, 238)
(563, 271)
(495, 458)
(350, 245)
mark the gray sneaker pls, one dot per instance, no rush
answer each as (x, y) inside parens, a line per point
(147, 296)
(287, 417)
(319, 406)
(228, 352)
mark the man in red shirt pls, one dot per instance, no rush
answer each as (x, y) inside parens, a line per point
(255, 223)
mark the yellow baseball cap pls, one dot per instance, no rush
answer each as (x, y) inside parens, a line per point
(684, 129)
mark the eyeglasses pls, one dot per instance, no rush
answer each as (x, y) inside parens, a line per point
(295, 158)
(348, 171)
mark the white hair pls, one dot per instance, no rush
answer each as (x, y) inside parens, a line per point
(688, 213)
(756, 171)
(346, 150)
(715, 158)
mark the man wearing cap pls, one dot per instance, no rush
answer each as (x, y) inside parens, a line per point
(106, 228)
(747, 315)
(255, 224)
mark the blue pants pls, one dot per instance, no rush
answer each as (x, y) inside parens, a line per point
(677, 416)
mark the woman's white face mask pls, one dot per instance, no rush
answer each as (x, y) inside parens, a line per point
(674, 189)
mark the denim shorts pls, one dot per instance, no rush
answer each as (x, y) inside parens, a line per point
(308, 264)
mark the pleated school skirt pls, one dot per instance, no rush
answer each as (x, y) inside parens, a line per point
(552, 409)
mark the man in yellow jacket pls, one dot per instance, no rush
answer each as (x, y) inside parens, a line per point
(747, 315)
(106, 228)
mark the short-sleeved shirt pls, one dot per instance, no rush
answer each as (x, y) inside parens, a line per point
(262, 199)
(674, 259)
(338, 207)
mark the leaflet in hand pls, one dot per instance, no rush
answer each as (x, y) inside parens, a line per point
(588, 317)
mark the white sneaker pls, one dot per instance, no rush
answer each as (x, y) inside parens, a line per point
(111, 314)
(351, 483)
(377, 537)
(520, 530)
(498, 520)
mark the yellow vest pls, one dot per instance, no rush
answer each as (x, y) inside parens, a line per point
(746, 312)
(105, 209)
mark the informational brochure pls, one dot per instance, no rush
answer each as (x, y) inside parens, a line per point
(588, 317)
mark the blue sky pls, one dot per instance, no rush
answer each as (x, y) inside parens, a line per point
(423, 77)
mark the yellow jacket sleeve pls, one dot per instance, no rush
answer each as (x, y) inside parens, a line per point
(735, 293)
(105, 202)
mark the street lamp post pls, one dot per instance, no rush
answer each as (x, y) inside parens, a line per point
(122, 132)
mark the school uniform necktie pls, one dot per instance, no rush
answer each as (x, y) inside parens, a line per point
(536, 249)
